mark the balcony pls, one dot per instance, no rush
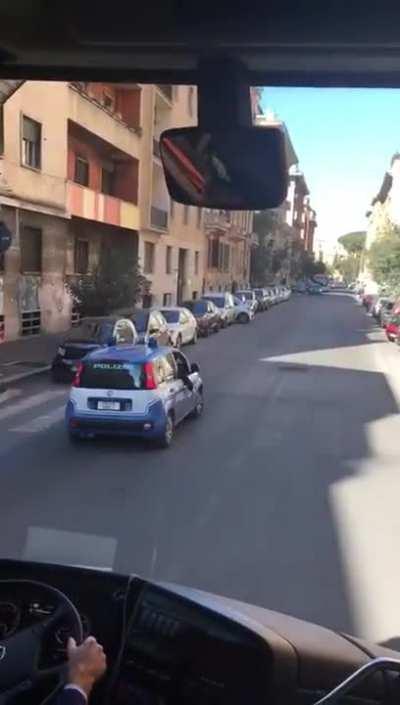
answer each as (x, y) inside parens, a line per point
(159, 218)
(86, 113)
(83, 202)
(217, 220)
(166, 90)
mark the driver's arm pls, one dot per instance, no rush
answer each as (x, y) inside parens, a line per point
(86, 664)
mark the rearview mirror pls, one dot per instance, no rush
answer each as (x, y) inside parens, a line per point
(238, 168)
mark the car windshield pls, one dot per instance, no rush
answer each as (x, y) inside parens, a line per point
(140, 319)
(90, 331)
(112, 374)
(197, 307)
(285, 493)
(170, 316)
(219, 301)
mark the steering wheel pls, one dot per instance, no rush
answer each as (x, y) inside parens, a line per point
(20, 652)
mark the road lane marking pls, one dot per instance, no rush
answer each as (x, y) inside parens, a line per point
(31, 402)
(10, 394)
(41, 423)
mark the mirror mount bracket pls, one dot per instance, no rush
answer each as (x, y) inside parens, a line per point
(225, 100)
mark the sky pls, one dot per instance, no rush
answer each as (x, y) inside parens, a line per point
(344, 140)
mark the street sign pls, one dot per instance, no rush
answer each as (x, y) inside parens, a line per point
(5, 237)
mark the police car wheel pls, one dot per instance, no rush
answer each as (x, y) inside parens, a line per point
(168, 434)
(199, 408)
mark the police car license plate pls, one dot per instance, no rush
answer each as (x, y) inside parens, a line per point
(109, 405)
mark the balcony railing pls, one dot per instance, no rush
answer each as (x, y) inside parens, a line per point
(166, 90)
(156, 148)
(159, 218)
(217, 219)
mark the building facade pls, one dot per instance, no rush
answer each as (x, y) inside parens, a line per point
(80, 170)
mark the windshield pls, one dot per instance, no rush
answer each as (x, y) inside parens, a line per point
(140, 319)
(219, 301)
(170, 316)
(90, 331)
(285, 493)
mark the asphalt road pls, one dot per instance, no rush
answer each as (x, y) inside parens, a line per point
(284, 494)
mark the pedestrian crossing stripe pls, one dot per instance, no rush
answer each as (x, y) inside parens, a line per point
(31, 402)
(41, 423)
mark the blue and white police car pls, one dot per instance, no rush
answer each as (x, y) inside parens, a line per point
(142, 391)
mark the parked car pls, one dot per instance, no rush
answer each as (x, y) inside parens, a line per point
(392, 328)
(150, 323)
(182, 325)
(224, 302)
(249, 296)
(206, 314)
(314, 289)
(385, 316)
(244, 310)
(91, 334)
(262, 297)
(383, 303)
(140, 391)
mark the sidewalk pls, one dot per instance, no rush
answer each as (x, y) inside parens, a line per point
(25, 357)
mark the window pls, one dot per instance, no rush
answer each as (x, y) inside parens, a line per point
(107, 180)
(148, 258)
(213, 253)
(171, 316)
(171, 208)
(185, 215)
(199, 217)
(169, 366)
(81, 257)
(190, 100)
(147, 300)
(182, 364)
(112, 374)
(31, 142)
(196, 262)
(81, 175)
(31, 249)
(167, 299)
(2, 261)
(195, 295)
(168, 259)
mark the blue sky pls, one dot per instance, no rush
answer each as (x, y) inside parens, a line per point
(344, 139)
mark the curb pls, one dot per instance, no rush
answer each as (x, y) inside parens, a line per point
(24, 375)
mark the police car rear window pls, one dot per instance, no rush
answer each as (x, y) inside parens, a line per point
(110, 374)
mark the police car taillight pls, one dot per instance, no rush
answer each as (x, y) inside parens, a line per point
(76, 382)
(150, 380)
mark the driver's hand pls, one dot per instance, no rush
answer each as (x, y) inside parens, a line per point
(86, 663)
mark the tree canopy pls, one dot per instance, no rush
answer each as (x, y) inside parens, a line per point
(353, 243)
(384, 259)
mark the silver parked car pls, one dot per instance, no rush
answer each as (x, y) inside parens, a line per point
(223, 300)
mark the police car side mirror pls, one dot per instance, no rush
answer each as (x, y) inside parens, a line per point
(194, 368)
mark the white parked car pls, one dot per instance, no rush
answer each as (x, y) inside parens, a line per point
(244, 310)
(182, 325)
(223, 300)
(248, 295)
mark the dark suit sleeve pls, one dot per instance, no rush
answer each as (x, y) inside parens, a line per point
(70, 697)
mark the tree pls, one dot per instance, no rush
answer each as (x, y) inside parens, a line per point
(384, 258)
(353, 243)
(116, 283)
(349, 265)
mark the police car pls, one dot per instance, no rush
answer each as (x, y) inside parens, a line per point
(142, 391)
